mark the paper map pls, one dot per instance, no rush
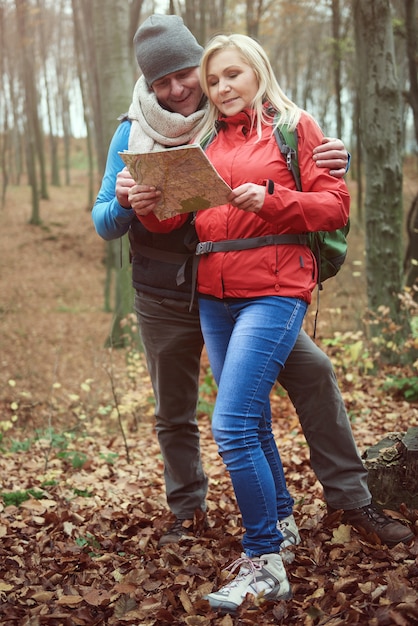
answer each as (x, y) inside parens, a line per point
(186, 177)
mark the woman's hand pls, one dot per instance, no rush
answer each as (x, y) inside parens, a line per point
(332, 155)
(248, 197)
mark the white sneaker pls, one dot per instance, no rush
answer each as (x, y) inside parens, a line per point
(289, 530)
(263, 576)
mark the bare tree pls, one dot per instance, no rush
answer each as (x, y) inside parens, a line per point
(109, 52)
(82, 41)
(202, 18)
(381, 132)
(65, 76)
(336, 44)
(32, 131)
(217, 15)
(411, 30)
(411, 254)
(44, 31)
(307, 45)
(135, 8)
(254, 13)
(4, 131)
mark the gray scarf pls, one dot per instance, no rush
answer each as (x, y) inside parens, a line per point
(154, 128)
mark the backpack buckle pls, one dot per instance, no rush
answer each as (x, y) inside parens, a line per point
(290, 156)
(204, 247)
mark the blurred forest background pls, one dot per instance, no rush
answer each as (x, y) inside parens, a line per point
(68, 70)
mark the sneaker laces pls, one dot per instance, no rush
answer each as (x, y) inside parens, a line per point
(283, 526)
(246, 565)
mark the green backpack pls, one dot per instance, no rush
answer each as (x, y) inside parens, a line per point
(329, 248)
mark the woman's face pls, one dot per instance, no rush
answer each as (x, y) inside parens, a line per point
(232, 83)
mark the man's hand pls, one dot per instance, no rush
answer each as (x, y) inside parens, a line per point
(143, 199)
(124, 182)
(332, 155)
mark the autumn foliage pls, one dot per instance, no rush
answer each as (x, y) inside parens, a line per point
(82, 509)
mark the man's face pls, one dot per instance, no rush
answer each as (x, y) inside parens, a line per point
(179, 92)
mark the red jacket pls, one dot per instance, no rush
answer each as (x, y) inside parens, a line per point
(284, 270)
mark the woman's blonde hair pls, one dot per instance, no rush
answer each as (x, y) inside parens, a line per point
(269, 90)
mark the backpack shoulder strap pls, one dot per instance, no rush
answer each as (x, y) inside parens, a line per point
(287, 141)
(207, 139)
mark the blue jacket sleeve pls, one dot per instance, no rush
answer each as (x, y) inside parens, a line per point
(110, 219)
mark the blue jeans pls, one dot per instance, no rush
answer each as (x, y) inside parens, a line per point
(248, 341)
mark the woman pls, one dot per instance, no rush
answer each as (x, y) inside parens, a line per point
(252, 301)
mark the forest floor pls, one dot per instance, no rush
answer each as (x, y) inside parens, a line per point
(82, 500)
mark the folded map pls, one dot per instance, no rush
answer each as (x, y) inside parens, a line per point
(186, 177)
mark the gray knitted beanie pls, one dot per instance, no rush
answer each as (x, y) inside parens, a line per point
(163, 44)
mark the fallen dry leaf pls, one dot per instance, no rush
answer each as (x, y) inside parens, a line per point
(69, 600)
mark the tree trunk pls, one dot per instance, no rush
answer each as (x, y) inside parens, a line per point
(53, 137)
(4, 129)
(411, 253)
(336, 18)
(113, 54)
(381, 133)
(411, 48)
(28, 73)
(134, 17)
(358, 174)
(82, 63)
(114, 88)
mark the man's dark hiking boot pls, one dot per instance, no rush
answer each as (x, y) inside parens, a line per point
(375, 526)
(180, 530)
(185, 529)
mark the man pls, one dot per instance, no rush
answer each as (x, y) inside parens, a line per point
(168, 109)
